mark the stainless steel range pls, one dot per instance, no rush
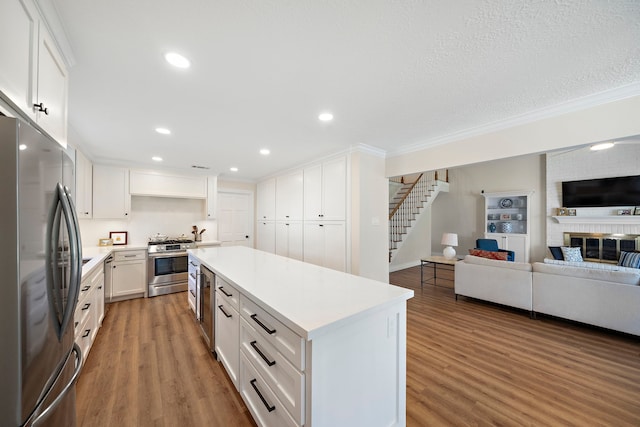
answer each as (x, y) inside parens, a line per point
(167, 266)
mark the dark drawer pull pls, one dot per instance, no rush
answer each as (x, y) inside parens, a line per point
(224, 292)
(267, 361)
(86, 288)
(224, 312)
(86, 333)
(255, 319)
(264, 401)
(86, 306)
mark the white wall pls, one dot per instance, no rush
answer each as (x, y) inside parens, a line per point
(461, 210)
(151, 215)
(369, 217)
(572, 165)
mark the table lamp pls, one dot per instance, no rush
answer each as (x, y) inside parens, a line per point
(449, 239)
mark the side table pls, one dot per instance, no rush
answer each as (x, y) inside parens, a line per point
(443, 271)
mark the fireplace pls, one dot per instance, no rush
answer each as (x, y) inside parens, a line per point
(600, 247)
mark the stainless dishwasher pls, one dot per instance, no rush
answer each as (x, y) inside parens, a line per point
(108, 274)
(207, 302)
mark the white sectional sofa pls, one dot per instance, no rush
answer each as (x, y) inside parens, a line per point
(502, 282)
(603, 295)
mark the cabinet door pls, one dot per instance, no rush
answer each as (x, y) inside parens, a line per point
(335, 246)
(52, 88)
(289, 201)
(313, 193)
(313, 243)
(266, 199)
(19, 52)
(99, 300)
(266, 234)
(228, 338)
(334, 189)
(84, 186)
(282, 239)
(128, 278)
(111, 197)
(289, 239)
(212, 196)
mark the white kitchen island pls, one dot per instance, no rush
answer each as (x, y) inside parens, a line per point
(317, 347)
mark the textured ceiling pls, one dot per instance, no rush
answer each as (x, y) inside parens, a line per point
(395, 74)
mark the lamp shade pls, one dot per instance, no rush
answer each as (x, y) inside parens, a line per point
(449, 239)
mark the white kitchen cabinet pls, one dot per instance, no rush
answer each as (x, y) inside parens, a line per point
(289, 239)
(228, 328)
(325, 190)
(507, 220)
(33, 72)
(129, 275)
(266, 200)
(289, 200)
(90, 309)
(212, 196)
(84, 186)
(111, 197)
(325, 244)
(266, 236)
(161, 184)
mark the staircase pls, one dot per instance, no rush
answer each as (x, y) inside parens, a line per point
(409, 202)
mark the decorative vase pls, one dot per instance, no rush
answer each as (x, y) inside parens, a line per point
(507, 227)
(492, 228)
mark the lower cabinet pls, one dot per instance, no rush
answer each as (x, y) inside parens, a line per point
(325, 244)
(90, 310)
(227, 324)
(289, 239)
(129, 275)
(266, 236)
(518, 243)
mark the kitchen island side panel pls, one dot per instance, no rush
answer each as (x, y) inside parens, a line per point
(358, 373)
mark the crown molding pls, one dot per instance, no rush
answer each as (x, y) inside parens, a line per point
(574, 105)
(374, 151)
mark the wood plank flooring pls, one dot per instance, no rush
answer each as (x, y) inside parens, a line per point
(468, 363)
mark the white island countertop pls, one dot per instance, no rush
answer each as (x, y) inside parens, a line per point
(309, 299)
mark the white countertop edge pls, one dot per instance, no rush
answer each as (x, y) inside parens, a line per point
(310, 334)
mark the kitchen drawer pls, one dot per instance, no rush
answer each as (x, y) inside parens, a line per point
(84, 307)
(287, 342)
(227, 339)
(227, 292)
(129, 255)
(83, 336)
(280, 375)
(261, 401)
(85, 290)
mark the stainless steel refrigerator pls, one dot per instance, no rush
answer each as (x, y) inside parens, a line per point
(41, 260)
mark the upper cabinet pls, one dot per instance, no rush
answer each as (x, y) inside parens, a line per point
(212, 196)
(325, 190)
(84, 186)
(266, 209)
(160, 184)
(289, 196)
(111, 197)
(33, 75)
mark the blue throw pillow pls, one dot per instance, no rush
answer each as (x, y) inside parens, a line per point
(571, 254)
(629, 259)
(556, 252)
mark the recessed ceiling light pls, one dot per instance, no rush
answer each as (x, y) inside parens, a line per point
(163, 131)
(22, 147)
(602, 146)
(177, 60)
(265, 151)
(156, 158)
(234, 169)
(325, 117)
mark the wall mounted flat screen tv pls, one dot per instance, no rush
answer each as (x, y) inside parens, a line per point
(602, 192)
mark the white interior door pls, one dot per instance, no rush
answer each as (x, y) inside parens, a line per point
(235, 213)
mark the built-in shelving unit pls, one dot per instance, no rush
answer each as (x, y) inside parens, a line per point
(506, 219)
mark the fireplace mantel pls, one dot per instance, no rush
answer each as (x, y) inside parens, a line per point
(611, 219)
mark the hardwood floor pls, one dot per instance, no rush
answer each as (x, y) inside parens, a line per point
(468, 363)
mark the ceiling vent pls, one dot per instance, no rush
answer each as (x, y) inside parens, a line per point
(200, 167)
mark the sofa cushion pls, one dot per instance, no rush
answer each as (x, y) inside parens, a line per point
(629, 259)
(591, 265)
(471, 259)
(501, 256)
(623, 277)
(571, 254)
(556, 252)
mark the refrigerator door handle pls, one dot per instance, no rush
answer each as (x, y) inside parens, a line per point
(52, 262)
(53, 405)
(75, 257)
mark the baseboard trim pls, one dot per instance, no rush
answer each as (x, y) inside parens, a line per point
(393, 268)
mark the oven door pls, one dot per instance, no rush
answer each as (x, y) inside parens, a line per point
(167, 268)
